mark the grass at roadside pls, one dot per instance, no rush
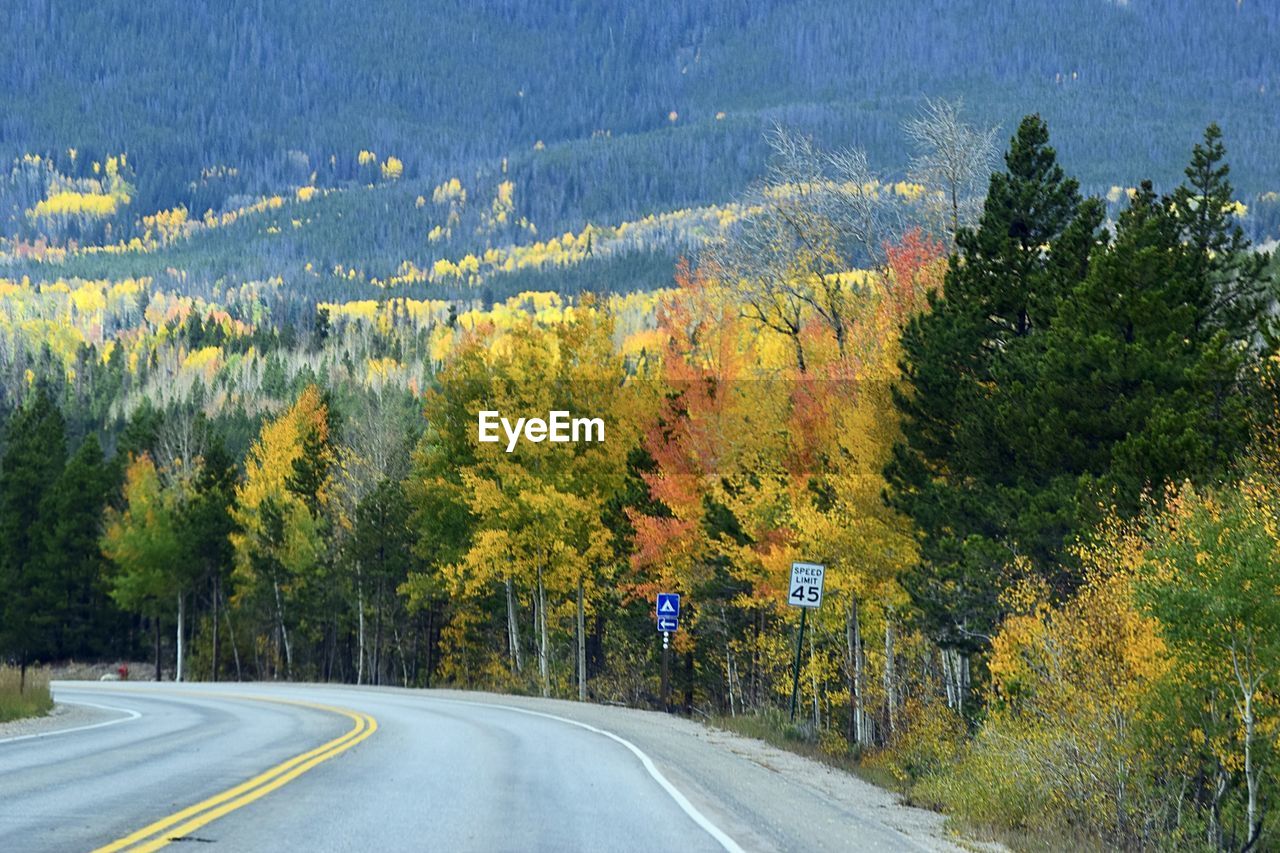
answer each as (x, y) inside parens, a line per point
(773, 727)
(17, 700)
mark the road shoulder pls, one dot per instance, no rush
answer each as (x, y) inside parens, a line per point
(65, 715)
(766, 798)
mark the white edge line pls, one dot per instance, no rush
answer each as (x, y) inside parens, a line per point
(132, 715)
(680, 799)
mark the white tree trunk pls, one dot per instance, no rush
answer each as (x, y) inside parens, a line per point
(513, 628)
(284, 632)
(542, 637)
(360, 622)
(955, 675)
(182, 612)
(890, 698)
(582, 644)
(1248, 685)
(231, 632)
(859, 659)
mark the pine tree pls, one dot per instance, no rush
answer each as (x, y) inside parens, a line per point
(80, 614)
(1145, 381)
(1233, 291)
(969, 363)
(33, 461)
(207, 523)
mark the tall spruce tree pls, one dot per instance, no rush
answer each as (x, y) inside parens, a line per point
(207, 524)
(1147, 375)
(1233, 290)
(969, 365)
(33, 461)
(80, 614)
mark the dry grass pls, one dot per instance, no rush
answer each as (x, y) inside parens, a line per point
(772, 727)
(17, 700)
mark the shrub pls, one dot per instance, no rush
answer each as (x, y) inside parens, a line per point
(931, 740)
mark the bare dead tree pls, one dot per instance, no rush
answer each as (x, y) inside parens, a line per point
(814, 216)
(181, 443)
(953, 158)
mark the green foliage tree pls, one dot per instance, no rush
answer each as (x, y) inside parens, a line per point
(1062, 371)
(33, 461)
(957, 471)
(144, 541)
(207, 525)
(381, 547)
(72, 565)
(1209, 581)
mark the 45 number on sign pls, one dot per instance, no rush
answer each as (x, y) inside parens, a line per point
(806, 585)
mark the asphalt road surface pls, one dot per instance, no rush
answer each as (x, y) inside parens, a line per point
(270, 767)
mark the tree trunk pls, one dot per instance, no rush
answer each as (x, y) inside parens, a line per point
(284, 633)
(688, 682)
(213, 672)
(375, 677)
(890, 698)
(799, 347)
(851, 667)
(542, 637)
(231, 635)
(817, 714)
(156, 625)
(858, 729)
(582, 645)
(859, 659)
(955, 675)
(513, 628)
(182, 613)
(431, 644)
(359, 625)
(404, 666)
(757, 625)
(728, 674)
(1248, 686)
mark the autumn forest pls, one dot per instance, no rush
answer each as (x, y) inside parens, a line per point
(1014, 383)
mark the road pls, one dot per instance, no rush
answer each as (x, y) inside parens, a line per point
(322, 767)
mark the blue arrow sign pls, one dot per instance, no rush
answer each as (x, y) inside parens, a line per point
(668, 623)
(669, 604)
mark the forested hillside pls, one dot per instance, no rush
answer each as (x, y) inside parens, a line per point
(594, 113)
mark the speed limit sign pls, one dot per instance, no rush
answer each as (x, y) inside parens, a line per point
(806, 585)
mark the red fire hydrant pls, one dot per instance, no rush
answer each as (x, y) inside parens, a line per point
(123, 671)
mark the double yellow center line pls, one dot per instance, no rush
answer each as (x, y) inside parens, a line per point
(183, 823)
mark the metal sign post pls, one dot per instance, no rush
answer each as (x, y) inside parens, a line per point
(805, 592)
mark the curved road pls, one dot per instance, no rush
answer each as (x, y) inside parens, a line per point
(322, 767)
